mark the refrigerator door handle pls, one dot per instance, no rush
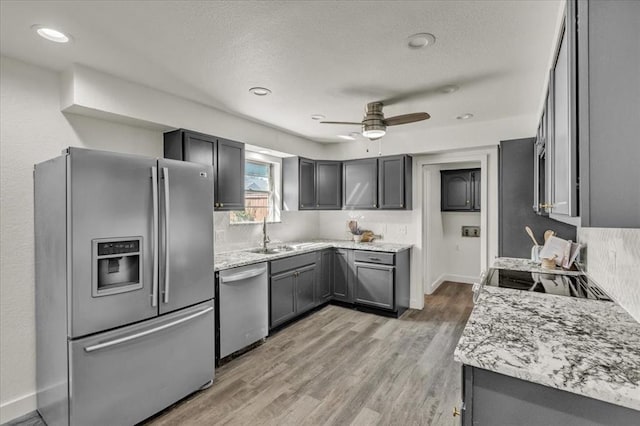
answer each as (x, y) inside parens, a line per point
(136, 336)
(165, 173)
(154, 280)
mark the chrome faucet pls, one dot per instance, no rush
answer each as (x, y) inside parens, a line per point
(265, 238)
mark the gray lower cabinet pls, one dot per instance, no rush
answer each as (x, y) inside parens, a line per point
(283, 299)
(382, 280)
(374, 285)
(342, 280)
(325, 276)
(491, 398)
(292, 287)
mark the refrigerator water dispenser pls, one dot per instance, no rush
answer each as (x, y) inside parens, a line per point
(117, 266)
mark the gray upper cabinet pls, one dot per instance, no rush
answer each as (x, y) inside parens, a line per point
(608, 124)
(360, 184)
(394, 182)
(460, 190)
(328, 185)
(226, 157)
(311, 185)
(590, 137)
(229, 179)
(307, 183)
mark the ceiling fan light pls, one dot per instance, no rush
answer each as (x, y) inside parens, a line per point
(374, 133)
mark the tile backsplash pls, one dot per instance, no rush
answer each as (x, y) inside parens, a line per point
(301, 225)
(612, 258)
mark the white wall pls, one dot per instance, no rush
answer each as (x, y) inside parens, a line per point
(32, 129)
(462, 254)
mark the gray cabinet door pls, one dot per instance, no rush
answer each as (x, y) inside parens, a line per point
(341, 276)
(455, 190)
(305, 288)
(229, 166)
(329, 185)
(360, 184)
(475, 190)
(391, 182)
(198, 148)
(307, 184)
(374, 285)
(283, 298)
(325, 276)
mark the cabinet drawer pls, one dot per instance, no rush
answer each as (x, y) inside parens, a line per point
(374, 257)
(292, 262)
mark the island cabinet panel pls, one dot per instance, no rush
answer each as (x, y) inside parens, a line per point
(490, 398)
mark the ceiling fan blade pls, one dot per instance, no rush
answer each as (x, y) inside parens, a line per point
(341, 122)
(406, 118)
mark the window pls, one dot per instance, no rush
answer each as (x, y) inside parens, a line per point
(261, 190)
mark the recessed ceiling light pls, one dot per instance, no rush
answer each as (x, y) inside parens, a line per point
(465, 116)
(420, 40)
(260, 91)
(318, 117)
(347, 137)
(51, 34)
(449, 88)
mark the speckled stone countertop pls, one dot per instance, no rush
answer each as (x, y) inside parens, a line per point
(518, 264)
(587, 347)
(233, 259)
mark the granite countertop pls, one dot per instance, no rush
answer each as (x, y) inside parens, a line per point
(233, 259)
(518, 264)
(583, 346)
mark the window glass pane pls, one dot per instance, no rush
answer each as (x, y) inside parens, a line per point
(259, 197)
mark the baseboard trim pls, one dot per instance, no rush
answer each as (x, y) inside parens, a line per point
(18, 407)
(451, 277)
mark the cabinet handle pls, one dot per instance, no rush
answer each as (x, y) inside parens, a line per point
(456, 412)
(215, 204)
(221, 205)
(467, 201)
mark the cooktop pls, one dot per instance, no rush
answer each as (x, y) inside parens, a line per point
(559, 284)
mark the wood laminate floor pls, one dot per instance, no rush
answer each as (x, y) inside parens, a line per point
(342, 367)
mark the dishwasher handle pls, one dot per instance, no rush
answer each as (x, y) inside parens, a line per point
(242, 275)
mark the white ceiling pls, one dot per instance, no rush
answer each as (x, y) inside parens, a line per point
(323, 57)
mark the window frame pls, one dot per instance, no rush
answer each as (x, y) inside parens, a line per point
(275, 193)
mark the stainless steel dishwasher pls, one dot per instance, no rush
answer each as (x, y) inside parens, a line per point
(244, 307)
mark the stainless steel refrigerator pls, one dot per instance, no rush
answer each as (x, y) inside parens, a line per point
(124, 285)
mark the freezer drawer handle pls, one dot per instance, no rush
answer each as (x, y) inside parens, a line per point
(114, 342)
(243, 275)
(154, 191)
(165, 172)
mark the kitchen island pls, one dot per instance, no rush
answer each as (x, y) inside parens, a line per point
(585, 347)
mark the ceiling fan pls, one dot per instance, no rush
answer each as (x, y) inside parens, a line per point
(374, 125)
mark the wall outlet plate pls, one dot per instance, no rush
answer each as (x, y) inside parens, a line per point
(471, 231)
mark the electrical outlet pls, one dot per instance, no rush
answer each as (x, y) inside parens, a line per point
(403, 229)
(220, 234)
(470, 231)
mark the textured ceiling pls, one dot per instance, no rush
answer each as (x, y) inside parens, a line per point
(323, 57)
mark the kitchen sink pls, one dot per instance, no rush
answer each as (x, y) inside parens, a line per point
(274, 250)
